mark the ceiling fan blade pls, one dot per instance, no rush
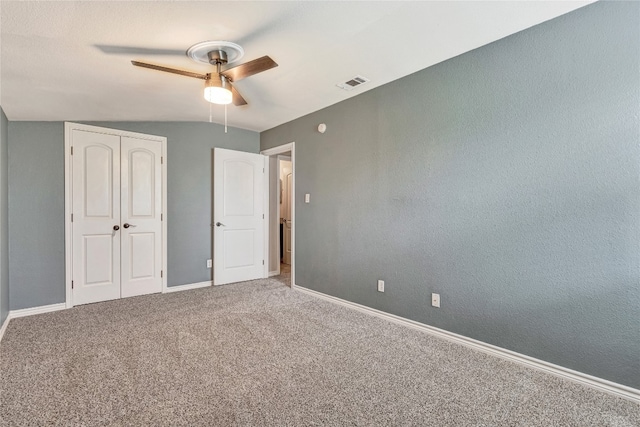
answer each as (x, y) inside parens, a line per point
(136, 50)
(249, 68)
(237, 99)
(170, 70)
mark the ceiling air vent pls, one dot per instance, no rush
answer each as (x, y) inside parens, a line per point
(352, 83)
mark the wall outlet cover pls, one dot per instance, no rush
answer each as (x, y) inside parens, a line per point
(380, 285)
(435, 300)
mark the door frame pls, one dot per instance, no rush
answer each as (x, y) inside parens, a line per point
(280, 158)
(68, 194)
(281, 149)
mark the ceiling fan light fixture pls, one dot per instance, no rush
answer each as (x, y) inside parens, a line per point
(216, 90)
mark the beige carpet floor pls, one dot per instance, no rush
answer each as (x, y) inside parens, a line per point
(260, 354)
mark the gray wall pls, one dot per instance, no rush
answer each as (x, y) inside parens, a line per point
(505, 179)
(4, 218)
(36, 212)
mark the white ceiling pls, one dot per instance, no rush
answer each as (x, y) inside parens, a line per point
(52, 69)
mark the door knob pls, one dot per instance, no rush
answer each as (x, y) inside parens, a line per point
(116, 227)
(127, 225)
(218, 224)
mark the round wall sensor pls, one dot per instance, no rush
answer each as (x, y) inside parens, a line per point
(322, 128)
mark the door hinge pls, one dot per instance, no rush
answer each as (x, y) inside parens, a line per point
(72, 284)
(161, 272)
(72, 150)
(262, 262)
(71, 217)
(262, 216)
(160, 217)
(262, 170)
(161, 160)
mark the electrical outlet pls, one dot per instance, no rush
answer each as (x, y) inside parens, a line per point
(435, 300)
(209, 263)
(380, 285)
(307, 198)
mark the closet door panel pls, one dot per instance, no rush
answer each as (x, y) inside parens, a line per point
(96, 217)
(141, 207)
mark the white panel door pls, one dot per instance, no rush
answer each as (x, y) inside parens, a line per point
(238, 197)
(141, 207)
(96, 217)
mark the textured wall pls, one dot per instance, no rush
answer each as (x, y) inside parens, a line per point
(505, 179)
(36, 212)
(4, 218)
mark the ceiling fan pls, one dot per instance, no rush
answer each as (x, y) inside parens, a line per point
(218, 88)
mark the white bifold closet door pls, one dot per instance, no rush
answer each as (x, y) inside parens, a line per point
(117, 225)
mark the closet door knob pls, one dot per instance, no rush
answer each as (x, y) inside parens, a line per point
(116, 227)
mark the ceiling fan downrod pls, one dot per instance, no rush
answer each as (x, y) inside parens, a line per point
(218, 58)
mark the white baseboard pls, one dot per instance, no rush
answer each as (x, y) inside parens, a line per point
(4, 327)
(575, 376)
(274, 273)
(188, 286)
(14, 314)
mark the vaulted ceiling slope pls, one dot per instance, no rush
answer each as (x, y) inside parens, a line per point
(70, 60)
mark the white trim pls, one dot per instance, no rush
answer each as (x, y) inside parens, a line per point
(277, 221)
(68, 180)
(3, 328)
(279, 150)
(588, 380)
(279, 194)
(14, 314)
(265, 217)
(188, 286)
(68, 236)
(165, 263)
(274, 273)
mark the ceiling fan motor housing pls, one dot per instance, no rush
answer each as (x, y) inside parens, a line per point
(217, 57)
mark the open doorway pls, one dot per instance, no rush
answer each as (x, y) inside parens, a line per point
(286, 219)
(282, 213)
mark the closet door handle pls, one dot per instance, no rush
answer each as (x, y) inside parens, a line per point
(116, 227)
(218, 224)
(127, 225)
